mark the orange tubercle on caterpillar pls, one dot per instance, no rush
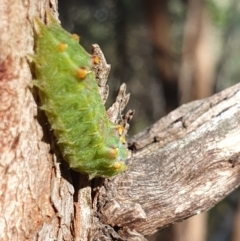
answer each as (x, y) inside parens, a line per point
(75, 37)
(113, 153)
(95, 59)
(82, 73)
(118, 165)
(120, 129)
(62, 46)
(123, 140)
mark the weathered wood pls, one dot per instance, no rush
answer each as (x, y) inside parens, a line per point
(184, 164)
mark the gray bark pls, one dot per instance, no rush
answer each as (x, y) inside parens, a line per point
(184, 164)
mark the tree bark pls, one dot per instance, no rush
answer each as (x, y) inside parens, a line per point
(182, 165)
(26, 171)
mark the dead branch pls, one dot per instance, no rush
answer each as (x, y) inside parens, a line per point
(184, 164)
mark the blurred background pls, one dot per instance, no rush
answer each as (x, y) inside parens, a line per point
(169, 52)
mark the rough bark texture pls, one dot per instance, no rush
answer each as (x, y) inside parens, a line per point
(184, 164)
(29, 184)
(180, 166)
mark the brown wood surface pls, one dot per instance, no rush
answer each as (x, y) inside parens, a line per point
(184, 164)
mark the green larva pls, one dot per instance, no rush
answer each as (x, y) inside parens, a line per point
(69, 95)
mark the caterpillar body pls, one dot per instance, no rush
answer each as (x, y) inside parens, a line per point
(69, 95)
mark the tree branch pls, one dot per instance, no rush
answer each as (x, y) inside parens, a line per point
(184, 164)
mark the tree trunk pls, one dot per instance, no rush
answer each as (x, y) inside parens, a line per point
(182, 165)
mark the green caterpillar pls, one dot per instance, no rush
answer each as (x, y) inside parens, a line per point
(69, 95)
